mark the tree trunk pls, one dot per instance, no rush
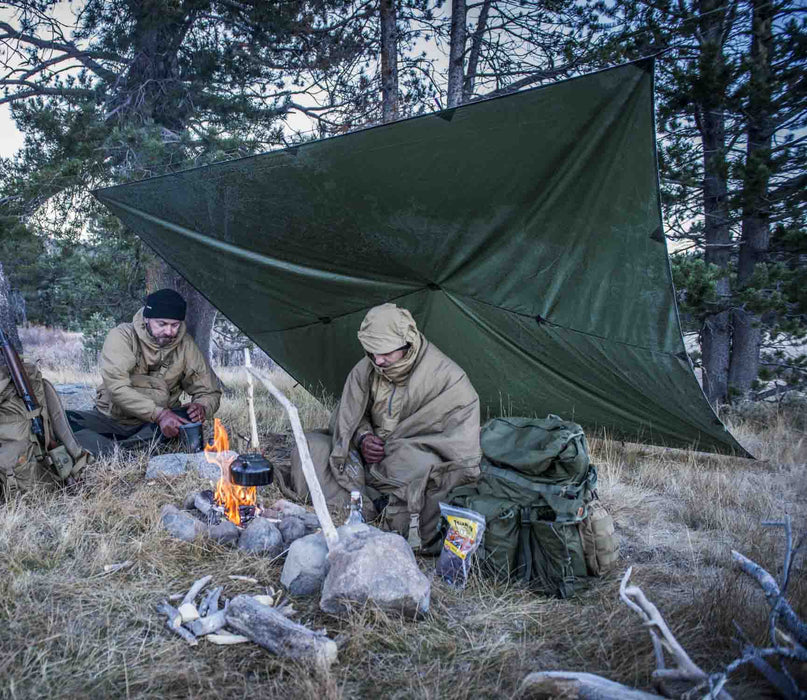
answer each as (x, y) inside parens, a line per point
(389, 60)
(710, 113)
(747, 339)
(476, 47)
(201, 313)
(456, 57)
(7, 320)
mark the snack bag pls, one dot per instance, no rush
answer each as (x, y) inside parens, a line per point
(465, 528)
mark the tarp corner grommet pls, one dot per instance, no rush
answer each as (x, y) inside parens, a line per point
(433, 286)
(540, 319)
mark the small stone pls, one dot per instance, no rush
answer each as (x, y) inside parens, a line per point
(306, 565)
(311, 522)
(375, 567)
(261, 537)
(180, 524)
(223, 532)
(292, 528)
(187, 504)
(286, 508)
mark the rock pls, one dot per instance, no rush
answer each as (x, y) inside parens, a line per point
(311, 522)
(286, 508)
(306, 565)
(188, 503)
(292, 528)
(180, 524)
(271, 629)
(224, 532)
(261, 537)
(370, 566)
(181, 462)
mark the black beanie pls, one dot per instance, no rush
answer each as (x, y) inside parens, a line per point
(165, 303)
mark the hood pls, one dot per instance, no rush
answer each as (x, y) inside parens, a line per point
(386, 328)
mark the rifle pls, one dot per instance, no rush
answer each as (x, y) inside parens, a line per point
(22, 384)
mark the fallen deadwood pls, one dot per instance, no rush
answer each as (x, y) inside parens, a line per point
(174, 622)
(581, 686)
(771, 662)
(190, 596)
(779, 606)
(224, 639)
(209, 624)
(210, 603)
(274, 631)
(664, 640)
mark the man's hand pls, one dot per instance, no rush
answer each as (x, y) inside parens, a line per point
(372, 449)
(169, 423)
(196, 412)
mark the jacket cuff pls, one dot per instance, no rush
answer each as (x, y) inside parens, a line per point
(156, 413)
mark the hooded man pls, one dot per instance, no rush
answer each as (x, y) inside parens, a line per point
(405, 432)
(145, 366)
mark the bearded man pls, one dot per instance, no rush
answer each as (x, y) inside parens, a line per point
(145, 367)
(405, 433)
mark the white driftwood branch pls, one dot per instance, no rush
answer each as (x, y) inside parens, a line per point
(584, 686)
(208, 625)
(317, 497)
(636, 600)
(227, 638)
(194, 590)
(774, 597)
(254, 443)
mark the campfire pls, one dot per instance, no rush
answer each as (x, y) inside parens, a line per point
(239, 504)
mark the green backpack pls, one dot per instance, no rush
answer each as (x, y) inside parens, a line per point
(536, 486)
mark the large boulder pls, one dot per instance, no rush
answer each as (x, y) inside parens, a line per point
(371, 566)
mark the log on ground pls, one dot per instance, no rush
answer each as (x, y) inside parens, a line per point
(271, 629)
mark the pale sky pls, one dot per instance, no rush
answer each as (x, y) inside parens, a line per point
(10, 137)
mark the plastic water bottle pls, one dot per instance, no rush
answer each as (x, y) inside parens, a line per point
(355, 517)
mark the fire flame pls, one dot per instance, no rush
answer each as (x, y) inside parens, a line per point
(228, 494)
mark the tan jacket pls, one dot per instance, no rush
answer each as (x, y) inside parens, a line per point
(431, 443)
(140, 379)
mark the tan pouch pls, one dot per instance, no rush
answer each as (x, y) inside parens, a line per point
(600, 543)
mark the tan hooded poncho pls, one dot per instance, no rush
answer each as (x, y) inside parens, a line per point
(426, 411)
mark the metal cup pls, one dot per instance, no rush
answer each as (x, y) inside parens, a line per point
(191, 437)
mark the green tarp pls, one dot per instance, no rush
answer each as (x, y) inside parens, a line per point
(524, 234)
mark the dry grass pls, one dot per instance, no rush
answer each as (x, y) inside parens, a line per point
(69, 631)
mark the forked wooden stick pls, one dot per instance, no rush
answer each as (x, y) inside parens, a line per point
(686, 668)
(317, 497)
